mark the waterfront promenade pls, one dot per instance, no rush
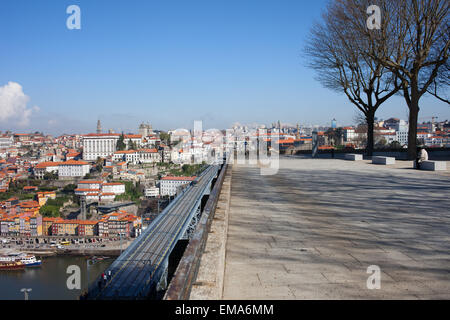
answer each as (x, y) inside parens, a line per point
(312, 230)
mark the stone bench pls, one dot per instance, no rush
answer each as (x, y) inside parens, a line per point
(383, 160)
(432, 165)
(353, 157)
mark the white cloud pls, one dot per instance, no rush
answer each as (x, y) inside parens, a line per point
(13, 105)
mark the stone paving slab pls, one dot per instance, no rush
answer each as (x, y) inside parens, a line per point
(312, 230)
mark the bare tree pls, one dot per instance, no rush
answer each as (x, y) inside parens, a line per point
(439, 84)
(359, 118)
(417, 35)
(337, 53)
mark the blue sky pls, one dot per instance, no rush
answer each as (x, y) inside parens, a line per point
(170, 63)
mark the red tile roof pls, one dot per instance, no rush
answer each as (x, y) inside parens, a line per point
(132, 136)
(44, 165)
(73, 163)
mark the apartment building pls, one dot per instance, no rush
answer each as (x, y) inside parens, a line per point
(73, 168)
(169, 186)
(97, 145)
(137, 156)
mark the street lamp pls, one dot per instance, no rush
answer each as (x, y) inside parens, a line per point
(25, 291)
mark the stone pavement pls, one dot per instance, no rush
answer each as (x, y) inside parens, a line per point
(312, 230)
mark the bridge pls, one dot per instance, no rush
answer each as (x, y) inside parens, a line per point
(142, 269)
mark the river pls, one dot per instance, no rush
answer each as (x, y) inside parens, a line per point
(49, 281)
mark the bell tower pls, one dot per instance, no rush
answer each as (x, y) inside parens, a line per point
(99, 126)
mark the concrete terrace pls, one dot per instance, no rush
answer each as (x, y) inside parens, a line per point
(311, 231)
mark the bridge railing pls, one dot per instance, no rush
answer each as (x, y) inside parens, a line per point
(187, 270)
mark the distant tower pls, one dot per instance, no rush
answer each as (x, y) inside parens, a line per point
(99, 127)
(145, 129)
(279, 125)
(298, 131)
(333, 124)
(142, 130)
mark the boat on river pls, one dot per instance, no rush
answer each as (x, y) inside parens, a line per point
(30, 261)
(27, 259)
(12, 265)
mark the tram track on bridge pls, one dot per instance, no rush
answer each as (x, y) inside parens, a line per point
(138, 255)
(132, 269)
(160, 244)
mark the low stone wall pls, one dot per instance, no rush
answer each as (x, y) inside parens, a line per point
(438, 154)
(209, 282)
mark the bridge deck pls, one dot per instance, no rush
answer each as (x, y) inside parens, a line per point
(141, 264)
(312, 230)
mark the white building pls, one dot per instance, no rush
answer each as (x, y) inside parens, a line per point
(182, 135)
(73, 168)
(423, 136)
(101, 145)
(113, 187)
(152, 141)
(90, 184)
(402, 137)
(94, 190)
(349, 134)
(107, 196)
(129, 156)
(181, 156)
(136, 139)
(6, 141)
(45, 167)
(137, 156)
(436, 141)
(151, 192)
(380, 133)
(169, 186)
(149, 156)
(97, 196)
(401, 128)
(92, 196)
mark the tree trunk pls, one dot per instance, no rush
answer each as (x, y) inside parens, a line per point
(413, 117)
(412, 134)
(370, 118)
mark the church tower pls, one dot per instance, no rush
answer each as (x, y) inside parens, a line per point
(99, 127)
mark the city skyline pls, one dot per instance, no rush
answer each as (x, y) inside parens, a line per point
(168, 64)
(233, 154)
